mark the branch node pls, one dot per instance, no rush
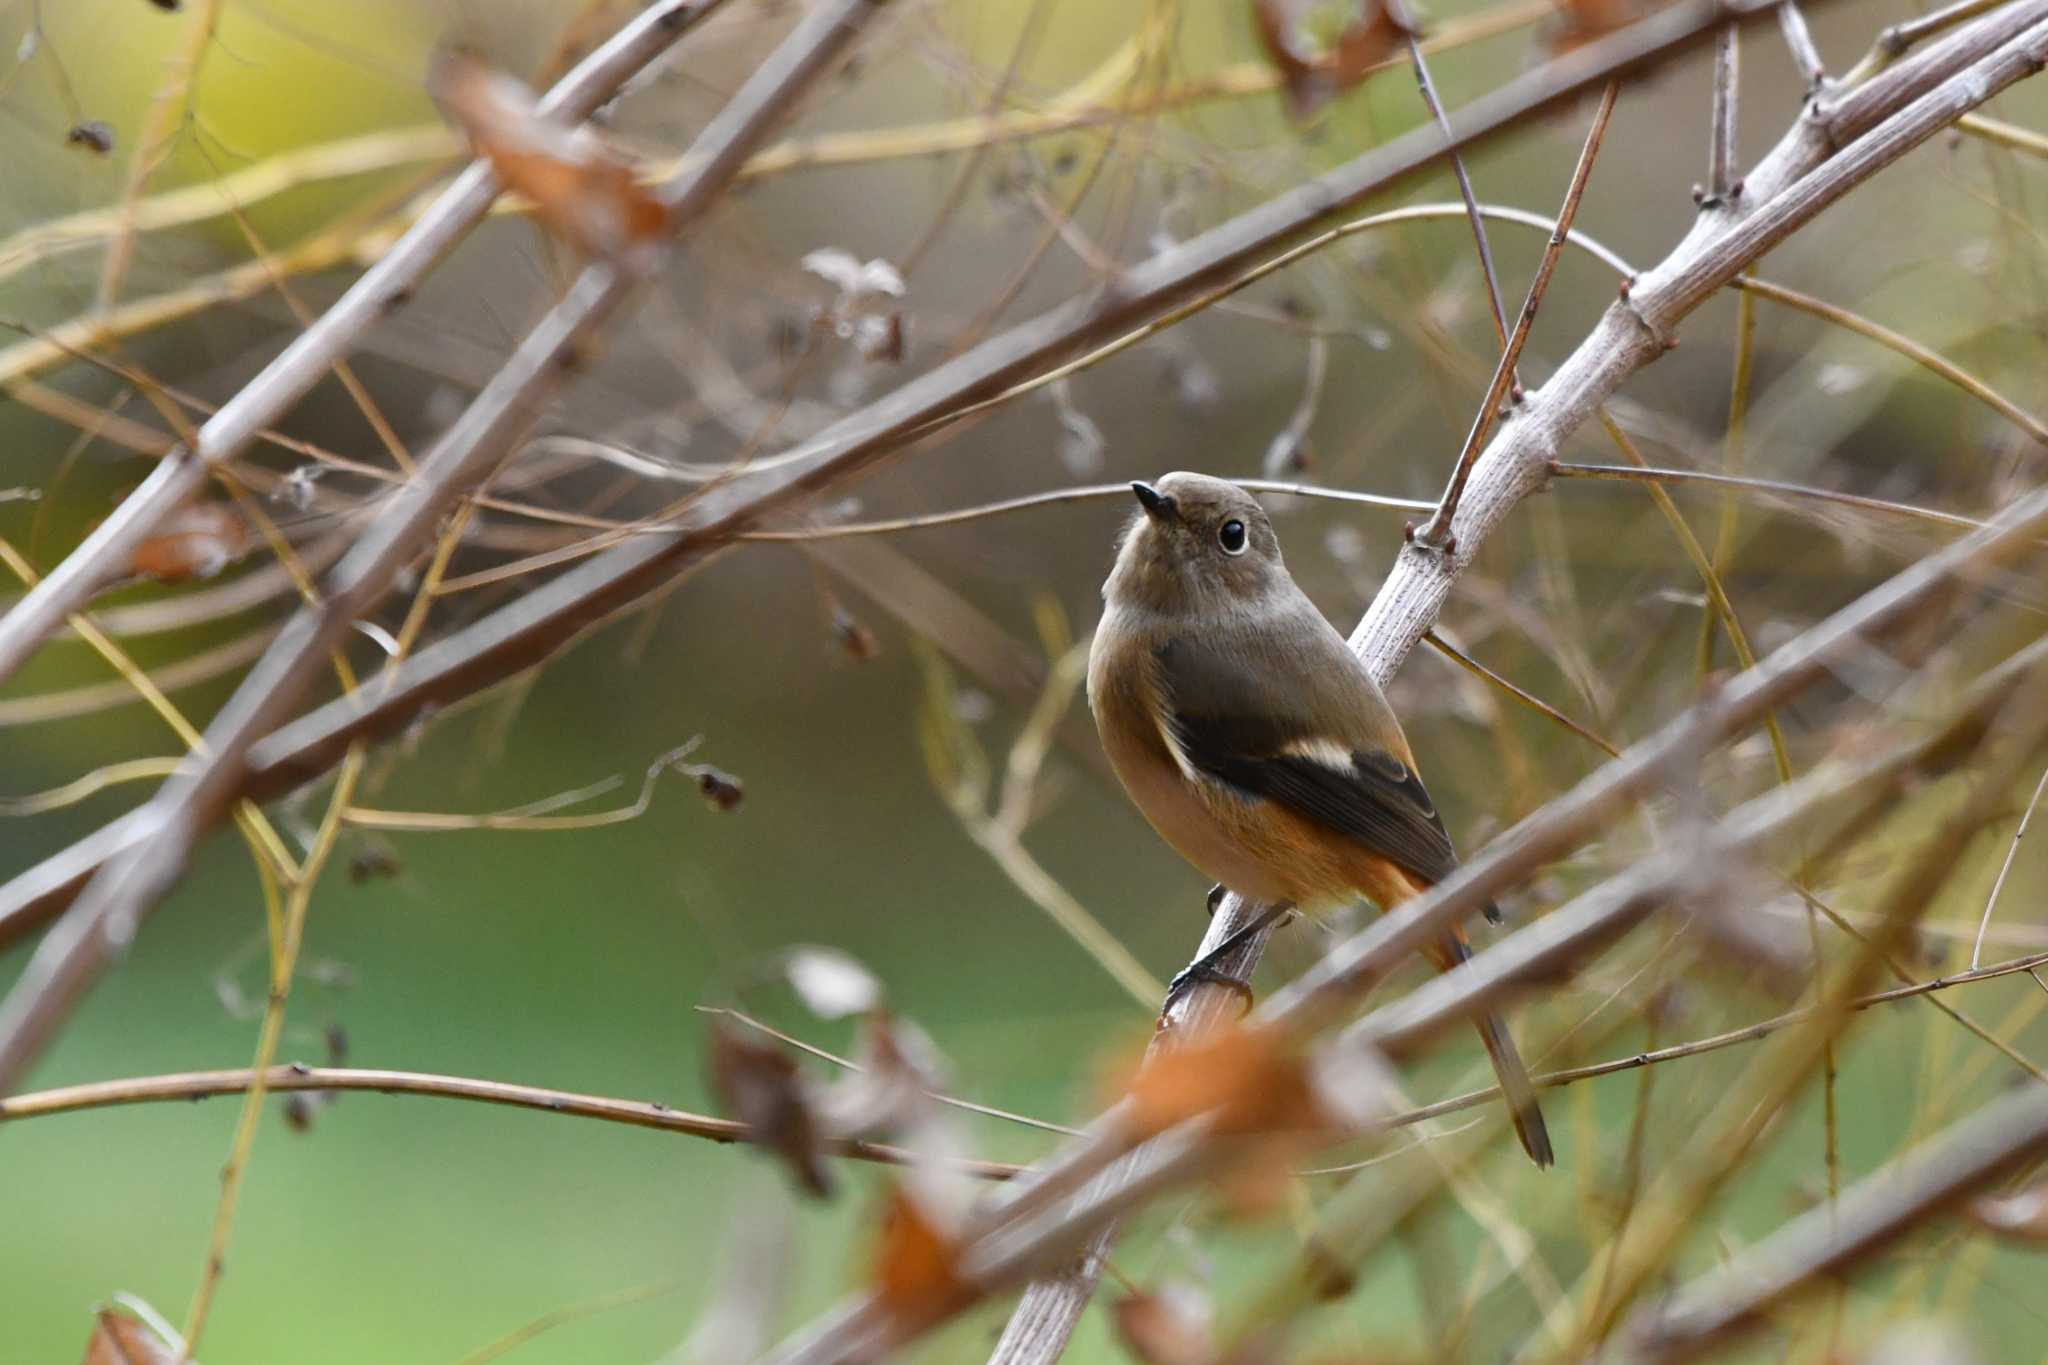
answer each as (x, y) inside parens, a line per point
(1821, 115)
(1659, 337)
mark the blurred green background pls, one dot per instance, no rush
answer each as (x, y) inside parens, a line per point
(419, 1230)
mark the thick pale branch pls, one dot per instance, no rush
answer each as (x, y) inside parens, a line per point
(1803, 175)
(528, 630)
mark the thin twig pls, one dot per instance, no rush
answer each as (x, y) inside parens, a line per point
(199, 1085)
(1904, 345)
(1799, 38)
(2006, 135)
(1435, 534)
(1722, 122)
(1633, 334)
(105, 917)
(1057, 497)
(1804, 492)
(2011, 852)
(1528, 699)
(1882, 1207)
(1715, 1042)
(519, 635)
(952, 1101)
(1892, 42)
(311, 354)
(1397, 14)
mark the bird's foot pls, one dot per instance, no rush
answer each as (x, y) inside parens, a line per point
(1206, 973)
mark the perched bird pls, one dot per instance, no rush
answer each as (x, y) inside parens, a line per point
(1255, 741)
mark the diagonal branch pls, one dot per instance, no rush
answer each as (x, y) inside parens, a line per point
(106, 552)
(106, 916)
(1878, 1210)
(1804, 174)
(528, 630)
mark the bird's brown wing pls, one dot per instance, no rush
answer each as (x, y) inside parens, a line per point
(1227, 727)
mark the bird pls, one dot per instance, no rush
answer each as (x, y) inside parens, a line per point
(1255, 742)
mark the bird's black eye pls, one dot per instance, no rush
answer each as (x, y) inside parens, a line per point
(1230, 535)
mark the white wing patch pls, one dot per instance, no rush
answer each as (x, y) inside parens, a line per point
(1171, 736)
(1324, 753)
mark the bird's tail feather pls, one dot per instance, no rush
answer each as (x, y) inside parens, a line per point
(1515, 1088)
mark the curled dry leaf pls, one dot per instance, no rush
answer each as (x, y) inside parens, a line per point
(831, 984)
(196, 541)
(583, 189)
(1310, 74)
(120, 1338)
(2022, 1217)
(760, 1085)
(1250, 1078)
(916, 1273)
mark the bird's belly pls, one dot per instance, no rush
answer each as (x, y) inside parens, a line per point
(1223, 835)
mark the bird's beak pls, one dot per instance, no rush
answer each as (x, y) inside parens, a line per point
(1156, 504)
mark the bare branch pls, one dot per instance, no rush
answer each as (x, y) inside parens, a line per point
(1799, 39)
(386, 285)
(1397, 12)
(1435, 533)
(199, 1085)
(1878, 1210)
(106, 916)
(521, 634)
(1775, 487)
(1798, 179)
(1721, 153)
(1762, 1028)
(1998, 883)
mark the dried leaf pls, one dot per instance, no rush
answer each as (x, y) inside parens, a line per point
(915, 1274)
(831, 983)
(120, 1338)
(1309, 78)
(582, 188)
(2023, 1217)
(760, 1085)
(1171, 1327)
(1248, 1077)
(196, 541)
